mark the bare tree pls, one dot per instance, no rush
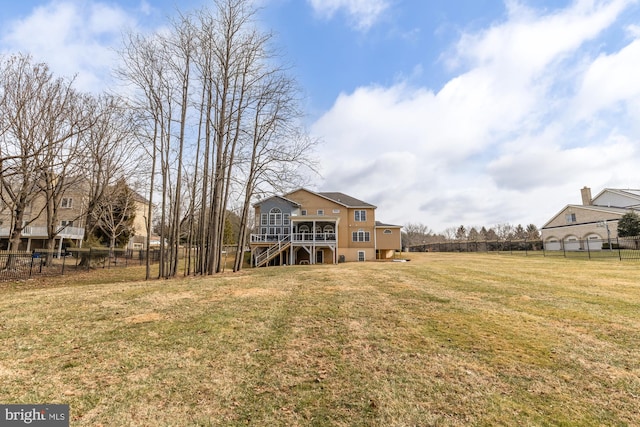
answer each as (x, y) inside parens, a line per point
(415, 234)
(212, 79)
(504, 231)
(450, 233)
(108, 152)
(33, 105)
(145, 72)
(59, 160)
(115, 213)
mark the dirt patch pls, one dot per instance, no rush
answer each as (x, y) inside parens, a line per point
(143, 318)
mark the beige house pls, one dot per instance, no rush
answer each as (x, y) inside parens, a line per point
(306, 227)
(34, 234)
(71, 222)
(589, 225)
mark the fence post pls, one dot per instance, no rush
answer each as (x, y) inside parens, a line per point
(588, 247)
(619, 251)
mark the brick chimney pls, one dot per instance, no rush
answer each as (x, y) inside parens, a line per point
(586, 196)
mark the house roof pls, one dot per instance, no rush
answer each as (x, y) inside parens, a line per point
(630, 193)
(601, 209)
(345, 200)
(336, 197)
(381, 224)
(258, 203)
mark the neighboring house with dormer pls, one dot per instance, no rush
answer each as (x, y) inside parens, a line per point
(306, 227)
(594, 222)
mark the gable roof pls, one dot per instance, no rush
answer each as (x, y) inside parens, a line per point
(601, 209)
(631, 194)
(259, 202)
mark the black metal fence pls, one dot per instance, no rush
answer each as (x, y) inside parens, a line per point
(621, 248)
(533, 247)
(23, 265)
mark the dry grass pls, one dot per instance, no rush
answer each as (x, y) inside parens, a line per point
(445, 339)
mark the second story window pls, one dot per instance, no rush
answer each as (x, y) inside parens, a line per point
(571, 218)
(64, 223)
(360, 215)
(320, 212)
(66, 202)
(275, 217)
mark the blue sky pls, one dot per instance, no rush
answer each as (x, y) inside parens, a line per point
(447, 113)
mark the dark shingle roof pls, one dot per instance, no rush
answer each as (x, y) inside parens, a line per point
(343, 199)
(293, 202)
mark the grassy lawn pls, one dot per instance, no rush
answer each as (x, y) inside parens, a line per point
(446, 339)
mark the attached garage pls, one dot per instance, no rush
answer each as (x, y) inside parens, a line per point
(571, 243)
(552, 244)
(595, 242)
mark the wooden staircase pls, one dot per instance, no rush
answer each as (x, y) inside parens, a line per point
(273, 251)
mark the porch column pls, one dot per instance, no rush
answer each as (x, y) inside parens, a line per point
(313, 249)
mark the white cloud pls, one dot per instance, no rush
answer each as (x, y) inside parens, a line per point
(72, 37)
(528, 119)
(609, 80)
(364, 13)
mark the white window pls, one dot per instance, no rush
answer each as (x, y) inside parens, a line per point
(361, 257)
(64, 223)
(336, 211)
(303, 229)
(286, 219)
(360, 215)
(66, 202)
(387, 231)
(361, 236)
(328, 228)
(320, 212)
(570, 218)
(304, 212)
(264, 219)
(275, 217)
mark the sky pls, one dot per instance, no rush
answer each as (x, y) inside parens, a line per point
(439, 112)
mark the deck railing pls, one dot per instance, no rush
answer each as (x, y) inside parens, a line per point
(295, 238)
(41, 232)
